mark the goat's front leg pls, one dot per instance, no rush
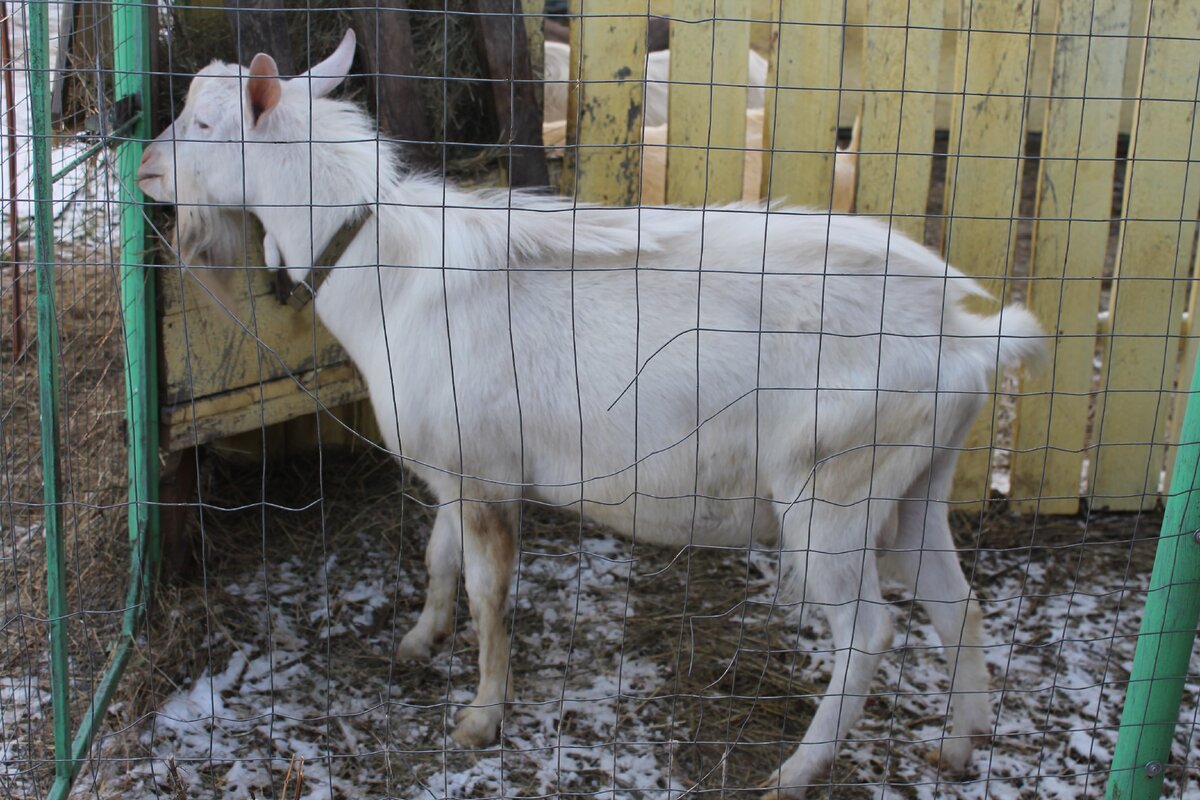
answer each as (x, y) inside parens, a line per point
(489, 556)
(443, 559)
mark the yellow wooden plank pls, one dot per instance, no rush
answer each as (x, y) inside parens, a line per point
(895, 159)
(604, 110)
(1079, 141)
(1161, 198)
(247, 409)
(535, 39)
(710, 42)
(1188, 350)
(983, 172)
(206, 350)
(347, 428)
(802, 105)
(1139, 14)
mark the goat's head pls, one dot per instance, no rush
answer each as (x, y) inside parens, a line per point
(201, 157)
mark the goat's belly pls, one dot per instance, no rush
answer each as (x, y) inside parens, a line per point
(666, 513)
(688, 520)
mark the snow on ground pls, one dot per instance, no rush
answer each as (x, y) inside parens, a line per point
(593, 719)
(66, 148)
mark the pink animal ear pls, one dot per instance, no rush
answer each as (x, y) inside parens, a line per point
(263, 88)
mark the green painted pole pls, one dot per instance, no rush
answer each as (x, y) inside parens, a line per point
(132, 65)
(47, 350)
(1164, 646)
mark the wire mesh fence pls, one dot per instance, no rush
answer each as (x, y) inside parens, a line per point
(722, 494)
(85, 324)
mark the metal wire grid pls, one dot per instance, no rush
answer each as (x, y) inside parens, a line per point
(328, 702)
(91, 384)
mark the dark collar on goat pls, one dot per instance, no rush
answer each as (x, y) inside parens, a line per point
(299, 295)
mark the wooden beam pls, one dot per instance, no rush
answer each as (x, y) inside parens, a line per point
(385, 36)
(1079, 147)
(503, 46)
(604, 111)
(218, 416)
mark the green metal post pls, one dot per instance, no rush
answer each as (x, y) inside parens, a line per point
(131, 61)
(47, 349)
(1164, 647)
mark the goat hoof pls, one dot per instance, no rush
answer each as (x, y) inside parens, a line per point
(954, 754)
(477, 727)
(777, 792)
(414, 648)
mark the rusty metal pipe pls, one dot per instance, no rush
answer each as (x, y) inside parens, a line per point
(10, 124)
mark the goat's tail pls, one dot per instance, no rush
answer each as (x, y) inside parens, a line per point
(1017, 334)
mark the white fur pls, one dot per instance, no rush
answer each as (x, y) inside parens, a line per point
(738, 376)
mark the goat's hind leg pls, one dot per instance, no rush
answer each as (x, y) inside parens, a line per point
(833, 559)
(443, 560)
(489, 556)
(927, 561)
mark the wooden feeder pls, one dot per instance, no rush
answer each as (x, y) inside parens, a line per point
(225, 376)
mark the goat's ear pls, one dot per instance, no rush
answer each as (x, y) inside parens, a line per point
(263, 88)
(326, 76)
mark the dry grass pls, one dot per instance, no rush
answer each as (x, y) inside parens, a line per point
(452, 88)
(93, 487)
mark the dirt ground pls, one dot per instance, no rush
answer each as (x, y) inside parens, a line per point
(637, 672)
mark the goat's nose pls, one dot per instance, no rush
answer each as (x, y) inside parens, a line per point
(147, 168)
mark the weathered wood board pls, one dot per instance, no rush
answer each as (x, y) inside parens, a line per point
(253, 407)
(898, 123)
(226, 372)
(1071, 234)
(706, 129)
(604, 110)
(1188, 350)
(1154, 261)
(206, 350)
(983, 178)
(803, 101)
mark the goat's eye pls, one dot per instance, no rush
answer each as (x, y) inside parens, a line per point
(202, 125)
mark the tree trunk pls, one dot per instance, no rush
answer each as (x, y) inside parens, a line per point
(259, 26)
(504, 52)
(385, 35)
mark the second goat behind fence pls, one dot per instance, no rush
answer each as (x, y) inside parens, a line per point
(737, 377)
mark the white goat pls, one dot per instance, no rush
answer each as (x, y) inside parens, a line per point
(739, 376)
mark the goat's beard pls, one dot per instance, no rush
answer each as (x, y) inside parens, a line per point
(218, 246)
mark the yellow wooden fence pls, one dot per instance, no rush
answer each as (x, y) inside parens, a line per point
(1088, 76)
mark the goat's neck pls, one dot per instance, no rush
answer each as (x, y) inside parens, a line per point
(303, 233)
(306, 196)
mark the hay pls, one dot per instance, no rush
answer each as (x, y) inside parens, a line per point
(452, 88)
(93, 491)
